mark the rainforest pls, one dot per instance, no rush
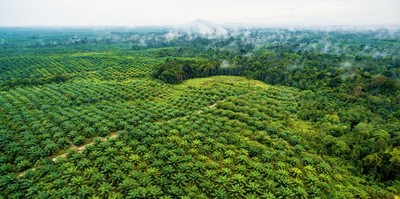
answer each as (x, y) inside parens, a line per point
(202, 111)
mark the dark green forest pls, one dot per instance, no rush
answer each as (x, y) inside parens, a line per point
(164, 113)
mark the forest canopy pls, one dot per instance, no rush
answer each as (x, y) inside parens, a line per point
(176, 70)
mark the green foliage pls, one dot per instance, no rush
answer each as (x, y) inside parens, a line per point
(177, 70)
(82, 117)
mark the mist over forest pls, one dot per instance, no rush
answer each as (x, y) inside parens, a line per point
(201, 110)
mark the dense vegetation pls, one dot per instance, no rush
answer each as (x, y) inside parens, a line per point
(120, 113)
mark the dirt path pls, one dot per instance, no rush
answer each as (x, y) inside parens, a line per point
(83, 147)
(113, 135)
(80, 149)
(212, 106)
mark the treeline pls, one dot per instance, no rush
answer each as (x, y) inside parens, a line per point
(308, 71)
(177, 70)
(34, 81)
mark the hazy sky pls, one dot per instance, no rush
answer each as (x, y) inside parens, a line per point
(173, 12)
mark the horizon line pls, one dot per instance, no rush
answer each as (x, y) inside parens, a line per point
(225, 25)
